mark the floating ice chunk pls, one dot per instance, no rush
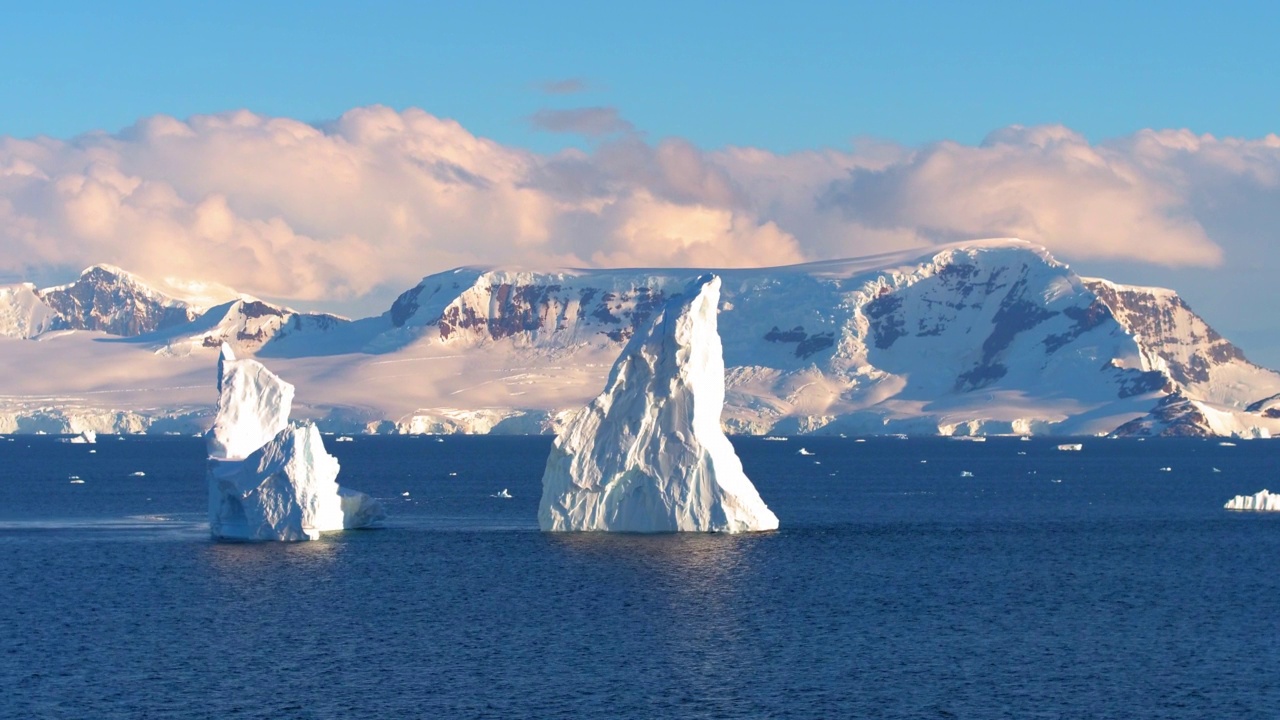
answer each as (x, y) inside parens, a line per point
(1217, 470)
(1071, 447)
(648, 454)
(75, 480)
(285, 486)
(1166, 469)
(253, 407)
(138, 473)
(502, 494)
(965, 473)
(344, 438)
(775, 438)
(1227, 444)
(803, 451)
(1262, 501)
(286, 490)
(88, 436)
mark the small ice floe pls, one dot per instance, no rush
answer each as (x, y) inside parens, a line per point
(970, 438)
(803, 451)
(453, 474)
(137, 473)
(344, 438)
(1217, 470)
(1071, 447)
(923, 462)
(1025, 438)
(1166, 469)
(817, 462)
(965, 473)
(439, 439)
(860, 440)
(1022, 452)
(1227, 444)
(88, 436)
(1056, 480)
(504, 494)
(404, 494)
(1262, 501)
(92, 452)
(75, 480)
(774, 438)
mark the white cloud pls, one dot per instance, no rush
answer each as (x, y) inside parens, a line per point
(377, 198)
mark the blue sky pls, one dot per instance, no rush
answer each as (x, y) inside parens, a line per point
(725, 133)
(782, 76)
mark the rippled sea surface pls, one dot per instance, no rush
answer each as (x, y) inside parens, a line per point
(1106, 583)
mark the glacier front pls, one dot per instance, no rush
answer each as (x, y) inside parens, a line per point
(269, 479)
(649, 454)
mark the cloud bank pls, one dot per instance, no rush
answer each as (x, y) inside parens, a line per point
(378, 198)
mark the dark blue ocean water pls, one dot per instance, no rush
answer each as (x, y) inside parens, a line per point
(1047, 585)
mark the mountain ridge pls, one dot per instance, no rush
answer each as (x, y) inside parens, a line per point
(992, 336)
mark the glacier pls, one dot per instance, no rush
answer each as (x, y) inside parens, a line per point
(1262, 501)
(270, 479)
(649, 453)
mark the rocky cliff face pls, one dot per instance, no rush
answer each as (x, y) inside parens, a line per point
(1176, 341)
(111, 300)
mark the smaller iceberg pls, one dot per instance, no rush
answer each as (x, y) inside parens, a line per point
(1260, 502)
(88, 436)
(269, 479)
(1071, 447)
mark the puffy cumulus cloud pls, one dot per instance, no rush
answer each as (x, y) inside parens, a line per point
(369, 202)
(377, 198)
(1044, 184)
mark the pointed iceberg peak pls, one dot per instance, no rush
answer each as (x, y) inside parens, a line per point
(253, 407)
(648, 454)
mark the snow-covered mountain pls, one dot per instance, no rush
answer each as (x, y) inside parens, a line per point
(113, 301)
(982, 337)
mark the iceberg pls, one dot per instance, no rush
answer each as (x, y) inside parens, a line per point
(269, 479)
(648, 454)
(1262, 502)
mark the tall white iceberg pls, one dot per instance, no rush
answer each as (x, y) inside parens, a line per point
(648, 454)
(1263, 501)
(268, 479)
